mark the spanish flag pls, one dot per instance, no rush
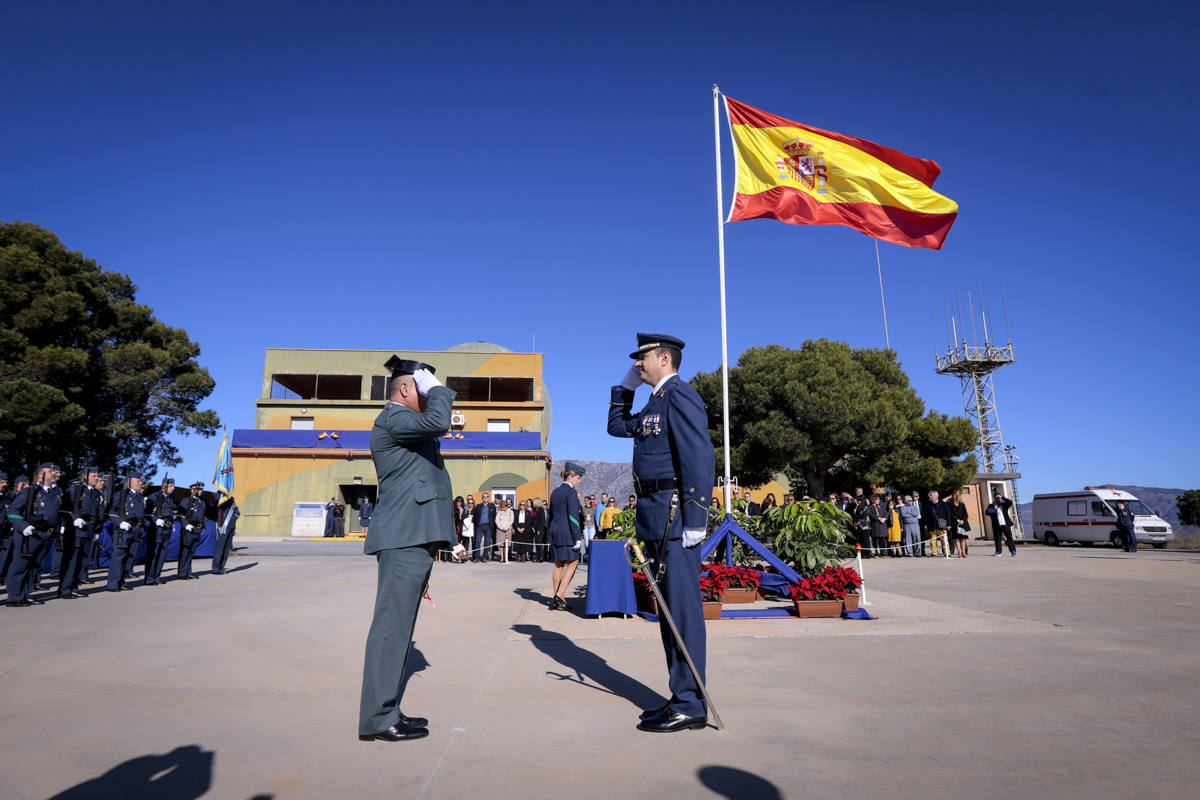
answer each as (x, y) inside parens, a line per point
(806, 176)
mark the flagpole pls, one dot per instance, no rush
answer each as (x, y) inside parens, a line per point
(886, 340)
(721, 261)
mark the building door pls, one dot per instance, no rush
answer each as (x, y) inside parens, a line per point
(352, 495)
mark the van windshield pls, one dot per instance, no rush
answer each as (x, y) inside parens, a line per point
(1136, 507)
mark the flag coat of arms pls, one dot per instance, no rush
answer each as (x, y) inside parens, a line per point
(802, 175)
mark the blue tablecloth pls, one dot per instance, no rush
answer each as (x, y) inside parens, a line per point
(610, 579)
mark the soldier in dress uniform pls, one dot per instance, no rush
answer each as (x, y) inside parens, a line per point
(227, 517)
(412, 520)
(673, 471)
(34, 518)
(163, 510)
(127, 513)
(191, 516)
(84, 502)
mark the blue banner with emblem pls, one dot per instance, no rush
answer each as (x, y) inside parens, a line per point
(223, 473)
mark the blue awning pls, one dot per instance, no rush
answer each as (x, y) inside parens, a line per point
(361, 440)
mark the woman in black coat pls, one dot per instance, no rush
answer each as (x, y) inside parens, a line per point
(959, 527)
(879, 525)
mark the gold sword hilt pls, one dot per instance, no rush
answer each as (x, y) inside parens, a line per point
(639, 559)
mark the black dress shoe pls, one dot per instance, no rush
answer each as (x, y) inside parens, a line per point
(672, 721)
(16, 604)
(654, 712)
(126, 589)
(417, 722)
(33, 601)
(397, 733)
(559, 603)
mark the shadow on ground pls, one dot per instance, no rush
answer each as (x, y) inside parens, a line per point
(185, 773)
(588, 666)
(737, 784)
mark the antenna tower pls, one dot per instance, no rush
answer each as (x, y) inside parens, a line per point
(974, 361)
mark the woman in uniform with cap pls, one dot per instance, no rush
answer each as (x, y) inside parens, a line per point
(566, 535)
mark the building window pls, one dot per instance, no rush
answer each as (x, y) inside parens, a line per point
(316, 387)
(379, 387)
(499, 425)
(494, 390)
(302, 423)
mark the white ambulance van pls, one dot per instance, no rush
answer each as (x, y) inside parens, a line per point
(1091, 516)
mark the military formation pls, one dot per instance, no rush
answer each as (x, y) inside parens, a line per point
(99, 512)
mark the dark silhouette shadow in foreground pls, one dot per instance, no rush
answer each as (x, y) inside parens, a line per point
(533, 595)
(587, 665)
(416, 663)
(737, 784)
(185, 773)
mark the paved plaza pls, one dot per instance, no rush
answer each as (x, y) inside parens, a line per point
(1061, 673)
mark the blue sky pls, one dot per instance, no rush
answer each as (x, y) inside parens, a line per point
(414, 176)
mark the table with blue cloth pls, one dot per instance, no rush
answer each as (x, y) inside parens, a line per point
(610, 579)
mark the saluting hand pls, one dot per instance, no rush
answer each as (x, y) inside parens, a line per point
(632, 378)
(425, 381)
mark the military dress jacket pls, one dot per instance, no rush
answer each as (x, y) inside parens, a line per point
(191, 512)
(164, 508)
(415, 500)
(671, 452)
(89, 506)
(46, 504)
(128, 507)
(565, 516)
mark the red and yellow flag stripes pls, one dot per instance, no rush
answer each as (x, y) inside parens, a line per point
(806, 176)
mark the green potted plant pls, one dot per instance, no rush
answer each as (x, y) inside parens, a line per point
(812, 536)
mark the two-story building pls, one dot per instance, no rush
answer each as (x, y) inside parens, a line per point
(311, 435)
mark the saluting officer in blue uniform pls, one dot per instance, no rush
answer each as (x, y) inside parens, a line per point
(34, 519)
(191, 518)
(163, 510)
(85, 504)
(673, 470)
(128, 516)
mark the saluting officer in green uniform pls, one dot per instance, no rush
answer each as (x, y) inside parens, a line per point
(412, 519)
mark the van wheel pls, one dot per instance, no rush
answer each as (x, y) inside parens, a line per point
(1115, 538)
(1050, 539)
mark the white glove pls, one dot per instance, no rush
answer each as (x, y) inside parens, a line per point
(425, 380)
(160, 522)
(693, 536)
(79, 523)
(188, 528)
(95, 537)
(28, 531)
(578, 546)
(124, 526)
(632, 378)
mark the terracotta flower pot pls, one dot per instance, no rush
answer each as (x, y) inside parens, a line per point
(739, 595)
(851, 602)
(712, 609)
(818, 608)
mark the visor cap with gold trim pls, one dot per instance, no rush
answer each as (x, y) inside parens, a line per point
(653, 341)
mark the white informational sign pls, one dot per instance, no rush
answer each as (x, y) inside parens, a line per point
(308, 519)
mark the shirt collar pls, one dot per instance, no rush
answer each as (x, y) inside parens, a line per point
(663, 380)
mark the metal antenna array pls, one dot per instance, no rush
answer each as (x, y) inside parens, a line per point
(974, 362)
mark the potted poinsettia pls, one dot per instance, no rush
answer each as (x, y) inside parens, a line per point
(818, 596)
(742, 582)
(850, 581)
(712, 589)
(643, 593)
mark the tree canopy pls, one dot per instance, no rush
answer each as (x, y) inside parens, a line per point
(88, 374)
(1188, 504)
(830, 417)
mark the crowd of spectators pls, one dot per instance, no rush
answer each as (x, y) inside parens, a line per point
(885, 524)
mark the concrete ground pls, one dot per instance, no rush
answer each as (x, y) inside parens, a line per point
(1061, 673)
